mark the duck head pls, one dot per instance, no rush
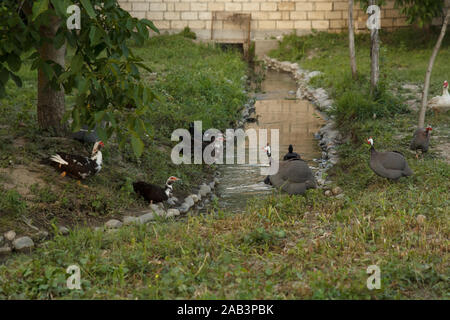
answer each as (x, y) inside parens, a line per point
(97, 146)
(169, 183)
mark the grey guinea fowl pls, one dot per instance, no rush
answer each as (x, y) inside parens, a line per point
(294, 177)
(390, 164)
(421, 139)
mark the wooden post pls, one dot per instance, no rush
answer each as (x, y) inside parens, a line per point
(374, 56)
(351, 40)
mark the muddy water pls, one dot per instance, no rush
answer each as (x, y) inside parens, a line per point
(296, 120)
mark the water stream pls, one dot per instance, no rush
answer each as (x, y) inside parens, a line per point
(276, 108)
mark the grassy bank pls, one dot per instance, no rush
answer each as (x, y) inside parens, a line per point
(193, 82)
(284, 247)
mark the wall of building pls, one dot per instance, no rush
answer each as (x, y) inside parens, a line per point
(268, 17)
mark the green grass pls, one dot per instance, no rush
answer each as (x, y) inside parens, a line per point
(282, 247)
(193, 82)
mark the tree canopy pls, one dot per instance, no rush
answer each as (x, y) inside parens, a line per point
(102, 71)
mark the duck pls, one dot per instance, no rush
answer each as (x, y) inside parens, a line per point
(153, 193)
(294, 177)
(421, 140)
(441, 103)
(291, 154)
(77, 166)
(391, 164)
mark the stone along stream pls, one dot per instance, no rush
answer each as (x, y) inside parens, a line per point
(276, 107)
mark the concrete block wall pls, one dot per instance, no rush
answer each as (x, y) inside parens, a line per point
(269, 17)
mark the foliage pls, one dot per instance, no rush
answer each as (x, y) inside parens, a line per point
(103, 72)
(187, 33)
(355, 103)
(421, 12)
(290, 48)
(193, 81)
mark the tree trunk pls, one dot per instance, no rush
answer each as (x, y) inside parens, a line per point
(51, 104)
(374, 56)
(426, 85)
(351, 40)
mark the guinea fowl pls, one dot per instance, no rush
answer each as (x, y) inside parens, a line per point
(391, 164)
(294, 177)
(153, 193)
(421, 140)
(77, 166)
(441, 102)
(291, 154)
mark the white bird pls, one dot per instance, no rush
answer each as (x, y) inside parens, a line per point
(441, 103)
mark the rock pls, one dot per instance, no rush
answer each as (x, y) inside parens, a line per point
(313, 74)
(214, 197)
(127, 220)
(39, 236)
(336, 190)
(194, 197)
(411, 87)
(204, 190)
(328, 193)
(216, 180)
(2, 240)
(171, 202)
(421, 219)
(98, 229)
(340, 196)
(212, 184)
(173, 213)
(63, 230)
(5, 251)
(199, 196)
(146, 217)
(160, 205)
(112, 230)
(189, 201)
(183, 208)
(10, 235)
(113, 224)
(320, 181)
(23, 244)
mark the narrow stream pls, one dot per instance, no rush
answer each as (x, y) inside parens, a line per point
(276, 108)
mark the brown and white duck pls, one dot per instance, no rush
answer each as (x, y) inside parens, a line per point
(80, 167)
(153, 193)
(421, 140)
(390, 164)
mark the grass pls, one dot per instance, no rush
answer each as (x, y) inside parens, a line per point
(281, 247)
(193, 81)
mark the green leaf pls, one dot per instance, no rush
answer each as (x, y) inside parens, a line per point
(4, 75)
(39, 7)
(95, 36)
(61, 7)
(137, 144)
(17, 80)
(149, 24)
(89, 9)
(14, 62)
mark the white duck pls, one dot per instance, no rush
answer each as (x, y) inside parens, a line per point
(441, 103)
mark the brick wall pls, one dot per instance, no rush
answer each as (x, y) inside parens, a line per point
(269, 17)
